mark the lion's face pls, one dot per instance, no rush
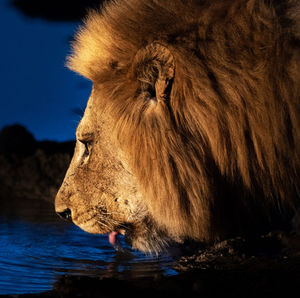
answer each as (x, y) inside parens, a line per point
(99, 189)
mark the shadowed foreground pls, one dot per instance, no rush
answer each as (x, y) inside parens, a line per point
(263, 276)
(268, 266)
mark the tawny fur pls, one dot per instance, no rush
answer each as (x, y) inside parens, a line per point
(220, 155)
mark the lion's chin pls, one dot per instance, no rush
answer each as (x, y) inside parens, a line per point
(145, 237)
(148, 246)
(148, 240)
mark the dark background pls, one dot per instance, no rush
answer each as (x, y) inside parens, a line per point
(37, 90)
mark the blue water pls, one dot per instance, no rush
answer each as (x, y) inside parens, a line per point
(36, 248)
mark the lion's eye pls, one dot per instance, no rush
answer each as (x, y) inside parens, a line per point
(87, 150)
(87, 146)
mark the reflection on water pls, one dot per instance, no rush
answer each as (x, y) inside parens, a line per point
(37, 248)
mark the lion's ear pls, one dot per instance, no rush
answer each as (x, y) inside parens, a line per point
(154, 68)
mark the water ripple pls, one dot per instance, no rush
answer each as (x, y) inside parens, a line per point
(37, 248)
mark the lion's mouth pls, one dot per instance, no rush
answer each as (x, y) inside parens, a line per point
(113, 237)
(115, 242)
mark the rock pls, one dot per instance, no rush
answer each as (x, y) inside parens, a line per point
(31, 169)
(15, 139)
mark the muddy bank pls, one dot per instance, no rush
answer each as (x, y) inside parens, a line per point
(275, 281)
(193, 284)
(31, 169)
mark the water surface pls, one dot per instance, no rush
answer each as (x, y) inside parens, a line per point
(36, 248)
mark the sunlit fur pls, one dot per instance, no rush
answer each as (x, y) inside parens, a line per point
(221, 155)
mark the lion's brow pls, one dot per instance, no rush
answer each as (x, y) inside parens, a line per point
(83, 135)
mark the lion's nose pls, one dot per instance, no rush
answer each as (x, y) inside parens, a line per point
(66, 214)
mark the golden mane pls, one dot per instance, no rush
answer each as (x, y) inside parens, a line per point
(227, 142)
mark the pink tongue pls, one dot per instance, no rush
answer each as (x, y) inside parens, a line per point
(112, 238)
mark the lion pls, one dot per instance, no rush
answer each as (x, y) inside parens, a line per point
(191, 131)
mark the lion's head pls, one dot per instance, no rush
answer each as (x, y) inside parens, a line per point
(192, 127)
